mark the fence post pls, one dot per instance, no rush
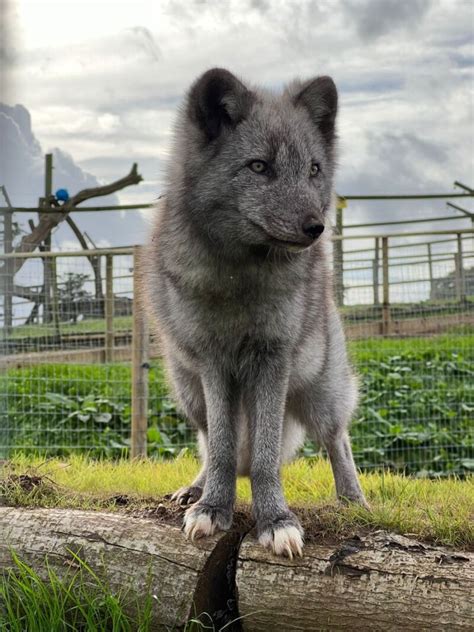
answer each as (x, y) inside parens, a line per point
(430, 269)
(339, 253)
(140, 366)
(55, 297)
(386, 289)
(109, 308)
(47, 262)
(7, 270)
(459, 271)
(375, 272)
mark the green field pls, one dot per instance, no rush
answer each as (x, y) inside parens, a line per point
(416, 411)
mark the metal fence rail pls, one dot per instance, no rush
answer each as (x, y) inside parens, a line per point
(78, 371)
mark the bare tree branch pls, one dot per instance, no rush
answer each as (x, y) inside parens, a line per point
(48, 221)
(28, 293)
(94, 261)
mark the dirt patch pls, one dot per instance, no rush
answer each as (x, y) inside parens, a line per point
(26, 484)
(317, 522)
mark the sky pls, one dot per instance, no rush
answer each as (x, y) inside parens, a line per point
(100, 82)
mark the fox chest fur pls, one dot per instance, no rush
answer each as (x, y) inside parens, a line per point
(211, 307)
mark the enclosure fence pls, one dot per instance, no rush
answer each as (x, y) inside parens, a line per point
(79, 371)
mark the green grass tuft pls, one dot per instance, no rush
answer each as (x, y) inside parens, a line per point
(76, 600)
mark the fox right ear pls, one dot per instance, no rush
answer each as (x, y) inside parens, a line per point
(319, 97)
(218, 100)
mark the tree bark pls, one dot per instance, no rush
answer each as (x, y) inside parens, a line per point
(379, 581)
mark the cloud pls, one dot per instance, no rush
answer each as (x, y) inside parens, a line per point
(108, 94)
(374, 18)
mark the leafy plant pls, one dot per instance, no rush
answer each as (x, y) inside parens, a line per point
(416, 410)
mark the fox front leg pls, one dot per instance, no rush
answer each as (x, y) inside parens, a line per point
(278, 529)
(213, 511)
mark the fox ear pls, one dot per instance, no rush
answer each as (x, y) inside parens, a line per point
(218, 100)
(319, 97)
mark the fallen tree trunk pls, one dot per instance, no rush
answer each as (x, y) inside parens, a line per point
(377, 582)
(136, 554)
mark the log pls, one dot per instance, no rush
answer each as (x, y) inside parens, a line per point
(132, 553)
(377, 581)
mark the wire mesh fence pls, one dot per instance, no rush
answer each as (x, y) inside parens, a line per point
(71, 381)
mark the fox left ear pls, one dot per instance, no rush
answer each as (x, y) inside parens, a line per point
(319, 97)
(216, 101)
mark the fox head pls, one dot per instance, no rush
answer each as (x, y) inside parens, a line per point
(254, 169)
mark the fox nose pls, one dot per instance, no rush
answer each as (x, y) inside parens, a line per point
(312, 227)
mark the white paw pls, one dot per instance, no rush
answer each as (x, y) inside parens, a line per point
(197, 525)
(284, 540)
(202, 520)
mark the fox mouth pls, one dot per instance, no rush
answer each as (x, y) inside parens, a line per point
(293, 246)
(286, 244)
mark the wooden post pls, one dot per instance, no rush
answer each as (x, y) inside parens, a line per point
(375, 272)
(459, 271)
(338, 252)
(55, 297)
(386, 289)
(7, 271)
(430, 268)
(140, 366)
(47, 267)
(109, 308)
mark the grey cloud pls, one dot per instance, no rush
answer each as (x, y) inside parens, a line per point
(8, 32)
(374, 18)
(260, 5)
(396, 163)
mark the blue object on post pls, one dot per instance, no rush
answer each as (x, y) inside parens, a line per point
(62, 195)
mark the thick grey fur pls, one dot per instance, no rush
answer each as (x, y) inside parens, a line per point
(252, 339)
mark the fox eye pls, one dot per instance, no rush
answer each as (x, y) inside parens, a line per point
(314, 170)
(258, 166)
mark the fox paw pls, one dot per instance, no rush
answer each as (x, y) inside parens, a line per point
(283, 537)
(202, 520)
(187, 495)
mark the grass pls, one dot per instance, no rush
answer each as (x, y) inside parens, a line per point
(440, 511)
(78, 600)
(92, 325)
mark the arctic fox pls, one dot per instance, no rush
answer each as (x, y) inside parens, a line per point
(240, 286)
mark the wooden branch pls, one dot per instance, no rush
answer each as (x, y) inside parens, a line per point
(376, 582)
(77, 232)
(48, 221)
(94, 261)
(28, 294)
(132, 178)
